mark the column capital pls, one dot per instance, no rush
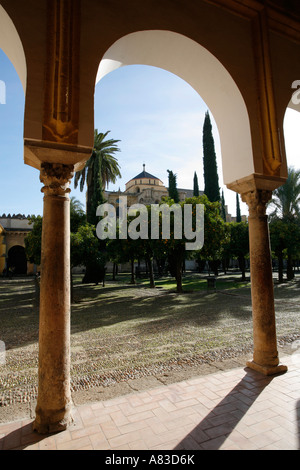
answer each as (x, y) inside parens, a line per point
(56, 178)
(257, 201)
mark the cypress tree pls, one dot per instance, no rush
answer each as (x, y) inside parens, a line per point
(211, 179)
(238, 210)
(223, 208)
(196, 186)
(173, 192)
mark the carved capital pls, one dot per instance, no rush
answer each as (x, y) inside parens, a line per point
(56, 177)
(257, 201)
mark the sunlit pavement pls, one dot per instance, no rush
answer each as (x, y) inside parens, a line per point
(236, 409)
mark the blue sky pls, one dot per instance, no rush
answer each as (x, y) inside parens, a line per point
(157, 117)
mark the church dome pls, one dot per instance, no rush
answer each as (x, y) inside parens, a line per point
(144, 179)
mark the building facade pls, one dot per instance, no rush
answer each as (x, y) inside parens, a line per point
(146, 189)
(13, 231)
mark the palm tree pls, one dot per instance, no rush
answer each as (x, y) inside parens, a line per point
(77, 214)
(286, 198)
(76, 205)
(286, 204)
(101, 169)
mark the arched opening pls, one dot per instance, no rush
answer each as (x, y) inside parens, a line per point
(11, 45)
(291, 136)
(211, 80)
(16, 261)
(17, 178)
(203, 71)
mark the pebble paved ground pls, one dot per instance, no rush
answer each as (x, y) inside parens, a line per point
(176, 344)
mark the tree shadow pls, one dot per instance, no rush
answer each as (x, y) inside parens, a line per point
(216, 427)
(96, 306)
(158, 313)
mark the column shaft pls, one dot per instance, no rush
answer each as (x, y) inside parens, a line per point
(265, 355)
(53, 411)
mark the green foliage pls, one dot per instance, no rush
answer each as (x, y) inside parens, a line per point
(77, 215)
(33, 241)
(238, 209)
(86, 251)
(105, 149)
(196, 186)
(85, 246)
(216, 232)
(285, 242)
(278, 235)
(173, 192)
(223, 207)
(239, 239)
(171, 249)
(101, 168)
(216, 235)
(211, 179)
(285, 221)
(286, 198)
(95, 192)
(239, 243)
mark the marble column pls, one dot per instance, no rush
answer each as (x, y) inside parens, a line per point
(265, 354)
(53, 411)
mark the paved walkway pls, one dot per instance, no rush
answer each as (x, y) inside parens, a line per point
(237, 409)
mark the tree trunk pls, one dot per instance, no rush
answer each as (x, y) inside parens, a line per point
(280, 267)
(178, 276)
(175, 262)
(224, 266)
(242, 266)
(132, 272)
(71, 287)
(290, 271)
(149, 261)
(214, 264)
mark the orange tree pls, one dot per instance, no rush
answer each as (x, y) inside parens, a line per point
(285, 243)
(88, 250)
(216, 234)
(239, 244)
(172, 246)
(126, 250)
(215, 237)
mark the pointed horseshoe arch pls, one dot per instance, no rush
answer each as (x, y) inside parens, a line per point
(205, 73)
(12, 46)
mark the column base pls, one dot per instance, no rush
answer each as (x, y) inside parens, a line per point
(267, 370)
(51, 422)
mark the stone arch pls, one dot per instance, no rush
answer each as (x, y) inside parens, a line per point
(11, 45)
(193, 63)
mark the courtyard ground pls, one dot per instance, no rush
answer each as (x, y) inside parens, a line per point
(126, 337)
